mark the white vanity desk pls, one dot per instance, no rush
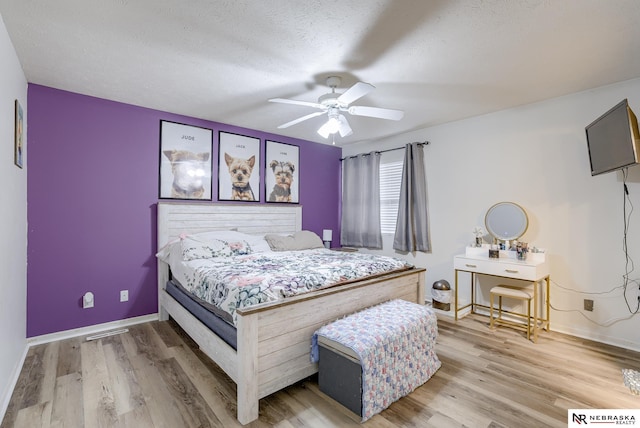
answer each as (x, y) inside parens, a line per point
(533, 271)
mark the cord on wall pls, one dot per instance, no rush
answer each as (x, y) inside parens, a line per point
(628, 270)
(629, 266)
(594, 293)
(607, 323)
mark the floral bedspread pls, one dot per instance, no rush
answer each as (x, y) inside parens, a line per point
(395, 344)
(241, 281)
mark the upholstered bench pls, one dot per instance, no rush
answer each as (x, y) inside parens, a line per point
(524, 294)
(372, 358)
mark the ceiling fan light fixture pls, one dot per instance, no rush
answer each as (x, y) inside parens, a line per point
(332, 125)
(345, 129)
(336, 123)
(323, 133)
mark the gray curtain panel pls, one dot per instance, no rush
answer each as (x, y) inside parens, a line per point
(412, 227)
(360, 225)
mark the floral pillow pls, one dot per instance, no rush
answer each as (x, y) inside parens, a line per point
(193, 249)
(239, 248)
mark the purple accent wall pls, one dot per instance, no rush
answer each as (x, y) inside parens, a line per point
(92, 194)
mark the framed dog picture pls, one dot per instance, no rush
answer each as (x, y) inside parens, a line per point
(185, 161)
(19, 136)
(282, 172)
(238, 168)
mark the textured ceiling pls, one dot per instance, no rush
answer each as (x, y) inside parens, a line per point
(222, 60)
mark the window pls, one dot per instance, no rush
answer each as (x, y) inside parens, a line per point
(390, 180)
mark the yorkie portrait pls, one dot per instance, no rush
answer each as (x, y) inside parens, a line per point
(189, 173)
(283, 172)
(240, 172)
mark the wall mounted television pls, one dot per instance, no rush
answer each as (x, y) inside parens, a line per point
(613, 140)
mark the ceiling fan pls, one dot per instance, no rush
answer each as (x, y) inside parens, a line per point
(333, 104)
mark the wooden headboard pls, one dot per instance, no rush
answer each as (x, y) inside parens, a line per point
(175, 218)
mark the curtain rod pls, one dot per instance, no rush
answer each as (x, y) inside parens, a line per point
(424, 143)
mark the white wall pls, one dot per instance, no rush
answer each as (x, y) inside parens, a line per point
(536, 156)
(13, 224)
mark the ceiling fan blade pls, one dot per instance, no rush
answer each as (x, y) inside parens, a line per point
(358, 90)
(344, 129)
(300, 119)
(296, 102)
(380, 113)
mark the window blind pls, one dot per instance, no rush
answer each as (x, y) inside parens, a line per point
(390, 181)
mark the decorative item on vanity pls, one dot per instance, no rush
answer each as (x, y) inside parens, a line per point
(327, 237)
(494, 251)
(441, 295)
(521, 250)
(478, 232)
(536, 254)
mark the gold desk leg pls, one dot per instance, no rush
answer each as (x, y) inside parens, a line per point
(535, 312)
(548, 299)
(473, 287)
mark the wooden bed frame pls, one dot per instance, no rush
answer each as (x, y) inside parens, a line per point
(274, 339)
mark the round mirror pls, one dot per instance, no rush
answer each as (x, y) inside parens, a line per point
(506, 221)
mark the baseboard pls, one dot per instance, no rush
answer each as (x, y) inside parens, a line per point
(4, 401)
(89, 330)
(620, 343)
(613, 341)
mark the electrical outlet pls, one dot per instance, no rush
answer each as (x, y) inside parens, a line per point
(588, 305)
(87, 300)
(124, 295)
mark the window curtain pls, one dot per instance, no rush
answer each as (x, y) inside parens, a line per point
(412, 227)
(360, 225)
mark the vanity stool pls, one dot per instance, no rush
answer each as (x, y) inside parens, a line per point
(525, 294)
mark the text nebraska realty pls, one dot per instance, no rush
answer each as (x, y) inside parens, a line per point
(612, 419)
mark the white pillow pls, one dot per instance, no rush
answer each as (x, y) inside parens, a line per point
(259, 245)
(280, 242)
(165, 252)
(303, 240)
(307, 239)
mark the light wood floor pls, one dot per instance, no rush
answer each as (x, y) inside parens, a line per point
(154, 376)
